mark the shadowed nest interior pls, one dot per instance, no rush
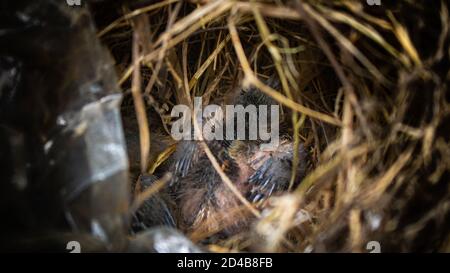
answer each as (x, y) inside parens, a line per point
(365, 88)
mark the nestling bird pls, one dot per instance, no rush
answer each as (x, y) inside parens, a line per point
(205, 204)
(155, 211)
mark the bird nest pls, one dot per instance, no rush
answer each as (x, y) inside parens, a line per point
(366, 87)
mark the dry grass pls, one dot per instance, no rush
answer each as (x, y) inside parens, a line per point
(367, 91)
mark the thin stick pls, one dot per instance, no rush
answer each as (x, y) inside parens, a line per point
(141, 114)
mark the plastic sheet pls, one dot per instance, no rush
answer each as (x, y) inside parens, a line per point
(162, 240)
(64, 165)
